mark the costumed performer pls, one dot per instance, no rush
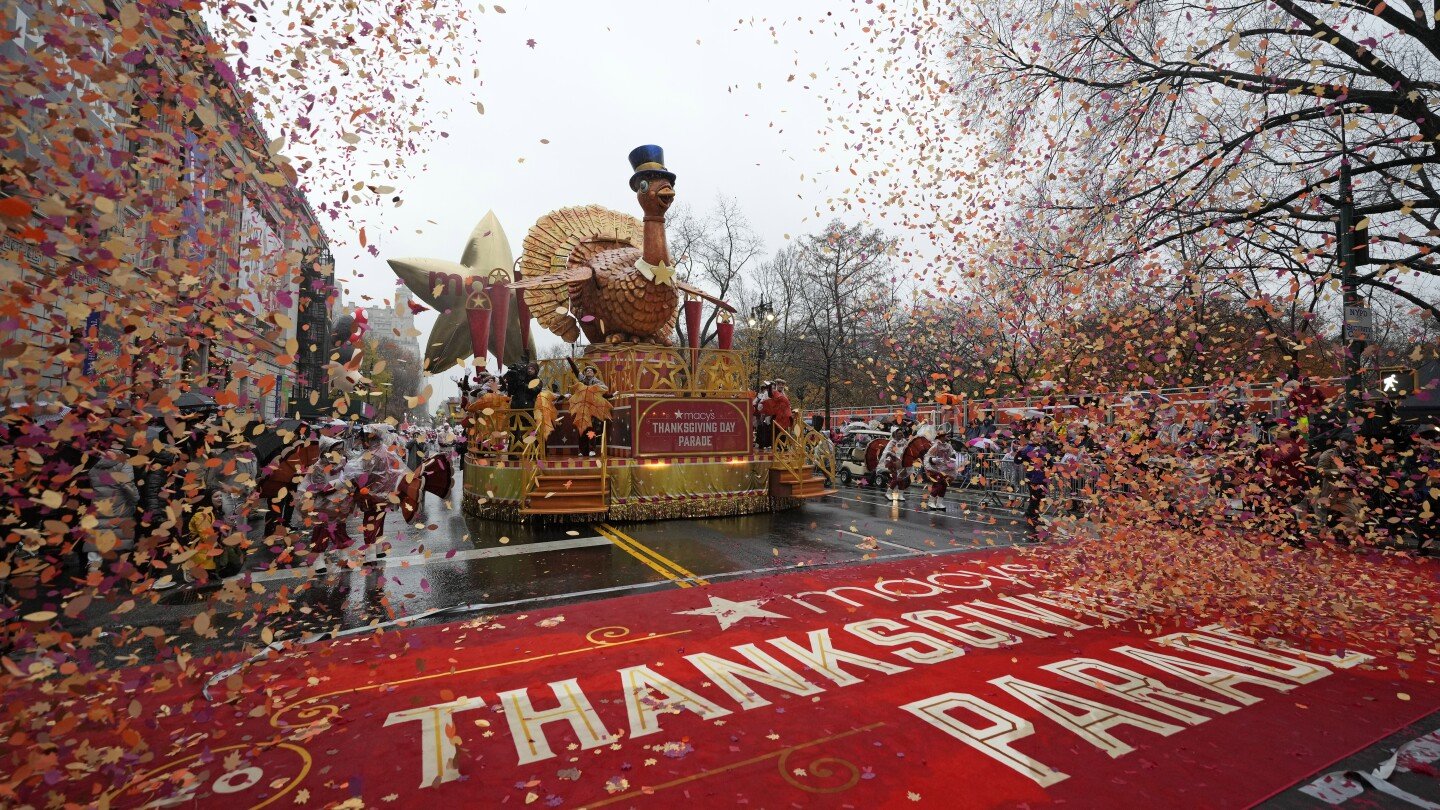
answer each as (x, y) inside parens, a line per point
(329, 500)
(939, 466)
(545, 415)
(487, 414)
(376, 476)
(589, 404)
(892, 460)
(764, 430)
(777, 408)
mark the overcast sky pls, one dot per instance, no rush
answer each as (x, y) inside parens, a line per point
(706, 81)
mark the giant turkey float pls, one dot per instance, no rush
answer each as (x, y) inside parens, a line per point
(630, 427)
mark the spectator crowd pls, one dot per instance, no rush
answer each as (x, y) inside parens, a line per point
(1300, 473)
(119, 499)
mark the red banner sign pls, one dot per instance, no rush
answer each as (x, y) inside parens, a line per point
(682, 427)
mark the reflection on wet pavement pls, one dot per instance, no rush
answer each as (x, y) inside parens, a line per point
(448, 565)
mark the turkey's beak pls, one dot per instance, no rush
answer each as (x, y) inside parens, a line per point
(666, 194)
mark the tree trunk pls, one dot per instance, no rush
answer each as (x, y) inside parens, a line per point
(827, 390)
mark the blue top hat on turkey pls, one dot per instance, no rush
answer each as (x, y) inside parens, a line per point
(648, 162)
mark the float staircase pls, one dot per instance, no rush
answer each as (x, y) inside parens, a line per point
(805, 484)
(567, 491)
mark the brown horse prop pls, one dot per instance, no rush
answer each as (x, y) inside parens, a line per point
(434, 475)
(914, 451)
(280, 477)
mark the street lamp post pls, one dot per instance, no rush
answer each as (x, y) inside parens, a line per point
(761, 316)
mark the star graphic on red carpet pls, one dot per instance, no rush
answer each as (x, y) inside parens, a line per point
(729, 613)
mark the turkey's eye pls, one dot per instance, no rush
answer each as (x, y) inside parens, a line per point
(644, 186)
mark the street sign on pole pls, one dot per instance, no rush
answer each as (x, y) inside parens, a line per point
(1359, 321)
(1358, 317)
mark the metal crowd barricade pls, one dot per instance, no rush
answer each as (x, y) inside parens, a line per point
(1000, 481)
(929, 412)
(982, 470)
(989, 475)
(1072, 487)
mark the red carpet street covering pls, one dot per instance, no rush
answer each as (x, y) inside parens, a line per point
(941, 682)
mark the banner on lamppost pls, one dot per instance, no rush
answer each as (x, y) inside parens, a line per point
(92, 340)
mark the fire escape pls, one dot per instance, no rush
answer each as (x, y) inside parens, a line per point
(311, 396)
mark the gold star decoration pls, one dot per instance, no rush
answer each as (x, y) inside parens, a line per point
(445, 286)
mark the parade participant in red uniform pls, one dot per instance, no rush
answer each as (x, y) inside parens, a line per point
(892, 459)
(939, 466)
(777, 407)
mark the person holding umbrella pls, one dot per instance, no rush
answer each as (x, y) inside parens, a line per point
(983, 444)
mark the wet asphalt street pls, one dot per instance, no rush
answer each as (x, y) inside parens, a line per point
(447, 566)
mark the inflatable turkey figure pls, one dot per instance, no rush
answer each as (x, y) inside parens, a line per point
(592, 270)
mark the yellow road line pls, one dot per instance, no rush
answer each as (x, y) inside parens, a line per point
(634, 552)
(669, 568)
(661, 558)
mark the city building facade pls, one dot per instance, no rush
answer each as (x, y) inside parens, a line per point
(395, 322)
(156, 242)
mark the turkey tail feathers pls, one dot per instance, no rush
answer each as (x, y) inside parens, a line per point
(558, 244)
